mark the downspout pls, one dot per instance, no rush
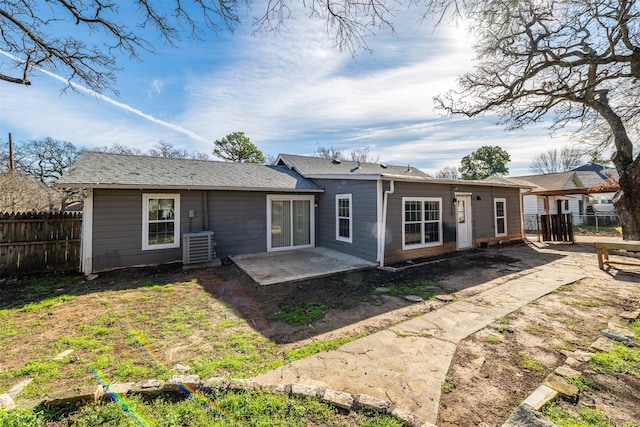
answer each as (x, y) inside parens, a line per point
(383, 228)
(86, 242)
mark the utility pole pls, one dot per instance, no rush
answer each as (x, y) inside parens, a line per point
(12, 166)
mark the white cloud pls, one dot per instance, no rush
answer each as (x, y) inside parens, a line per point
(289, 92)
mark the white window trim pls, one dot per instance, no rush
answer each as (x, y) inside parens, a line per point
(350, 218)
(495, 215)
(421, 245)
(145, 221)
(312, 219)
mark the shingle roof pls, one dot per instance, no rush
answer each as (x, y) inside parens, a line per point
(95, 170)
(317, 167)
(595, 175)
(548, 182)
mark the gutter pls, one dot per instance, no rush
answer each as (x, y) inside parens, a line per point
(383, 226)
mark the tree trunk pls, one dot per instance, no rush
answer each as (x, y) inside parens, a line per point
(627, 201)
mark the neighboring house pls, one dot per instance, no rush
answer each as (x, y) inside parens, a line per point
(580, 192)
(550, 193)
(603, 184)
(137, 209)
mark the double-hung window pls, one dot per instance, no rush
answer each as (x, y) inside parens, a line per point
(160, 221)
(422, 222)
(344, 215)
(500, 215)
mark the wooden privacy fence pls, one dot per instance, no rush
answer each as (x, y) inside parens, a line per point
(557, 228)
(38, 242)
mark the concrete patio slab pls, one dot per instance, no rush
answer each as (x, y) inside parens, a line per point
(269, 268)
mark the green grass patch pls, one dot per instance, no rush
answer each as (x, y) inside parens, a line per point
(422, 288)
(534, 330)
(301, 315)
(449, 384)
(232, 408)
(622, 359)
(530, 363)
(502, 325)
(586, 417)
(587, 303)
(49, 302)
(583, 383)
(492, 339)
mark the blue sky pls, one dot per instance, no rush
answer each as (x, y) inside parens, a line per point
(290, 92)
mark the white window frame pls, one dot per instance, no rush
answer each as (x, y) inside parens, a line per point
(145, 221)
(422, 244)
(347, 197)
(312, 219)
(496, 217)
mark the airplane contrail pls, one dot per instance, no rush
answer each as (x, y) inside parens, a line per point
(118, 104)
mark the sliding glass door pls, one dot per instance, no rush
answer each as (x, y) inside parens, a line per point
(290, 221)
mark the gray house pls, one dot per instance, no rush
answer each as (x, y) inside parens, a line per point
(138, 209)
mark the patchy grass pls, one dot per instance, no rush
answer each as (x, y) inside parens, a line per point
(214, 409)
(586, 303)
(530, 363)
(622, 359)
(502, 325)
(492, 339)
(425, 289)
(301, 315)
(130, 333)
(449, 384)
(586, 417)
(534, 330)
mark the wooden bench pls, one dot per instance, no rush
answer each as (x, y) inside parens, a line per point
(603, 252)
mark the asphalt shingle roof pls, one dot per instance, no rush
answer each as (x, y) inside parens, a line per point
(94, 169)
(546, 182)
(595, 175)
(317, 166)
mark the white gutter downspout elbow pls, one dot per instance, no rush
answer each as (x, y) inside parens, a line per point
(383, 227)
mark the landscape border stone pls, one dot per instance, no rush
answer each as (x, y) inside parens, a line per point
(184, 384)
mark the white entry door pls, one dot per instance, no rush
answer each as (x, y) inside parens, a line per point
(464, 229)
(290, 222)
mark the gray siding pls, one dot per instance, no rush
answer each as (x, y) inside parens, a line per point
(364, 217)
(239, 220)
(117, 228)
(482, 213)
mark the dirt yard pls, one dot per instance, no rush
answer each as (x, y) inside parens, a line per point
(492, 371)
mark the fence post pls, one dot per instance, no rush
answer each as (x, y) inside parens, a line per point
(596, 215)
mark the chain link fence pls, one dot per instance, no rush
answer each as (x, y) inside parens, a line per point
(590, 221)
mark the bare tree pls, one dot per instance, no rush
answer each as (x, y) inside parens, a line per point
(161, 149)
(21, 193)
(167, 149)
(27, 39)
(364, 155)
(552, 161)
(328, 153)
(448, 172)
(43, 159)
(573, 61)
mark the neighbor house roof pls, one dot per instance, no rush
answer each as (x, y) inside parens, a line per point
(594, 175)
(547, 183)
(105, 170)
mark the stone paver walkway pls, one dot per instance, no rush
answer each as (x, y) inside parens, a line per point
(407, 363)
